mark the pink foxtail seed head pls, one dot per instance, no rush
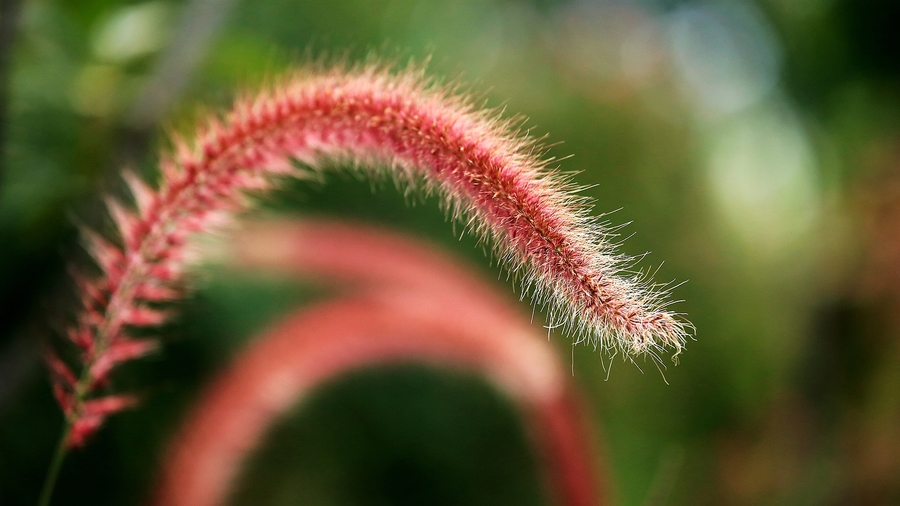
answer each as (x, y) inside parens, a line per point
(371, 119)
(395, 312)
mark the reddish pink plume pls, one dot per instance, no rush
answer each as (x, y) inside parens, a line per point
(92, 415)
(373, 119)
(370, 119)
(399, 321)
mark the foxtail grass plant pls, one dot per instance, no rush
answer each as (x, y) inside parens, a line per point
(490, 176)
(393, 308)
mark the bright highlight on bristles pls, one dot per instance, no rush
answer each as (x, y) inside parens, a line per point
(371, 119)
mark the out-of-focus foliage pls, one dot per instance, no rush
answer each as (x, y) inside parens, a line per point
(752, 146)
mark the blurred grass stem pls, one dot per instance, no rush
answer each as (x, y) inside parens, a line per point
(53, 472)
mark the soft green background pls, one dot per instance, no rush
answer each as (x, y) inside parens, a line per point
(750, 146)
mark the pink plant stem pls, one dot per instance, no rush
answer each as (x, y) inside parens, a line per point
(333, 251)
(396, 322)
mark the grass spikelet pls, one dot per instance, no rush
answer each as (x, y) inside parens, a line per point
(371, 118)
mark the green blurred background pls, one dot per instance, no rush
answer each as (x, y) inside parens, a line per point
(752, 146)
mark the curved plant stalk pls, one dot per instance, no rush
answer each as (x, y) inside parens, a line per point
(371, 119)
(401, 312)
